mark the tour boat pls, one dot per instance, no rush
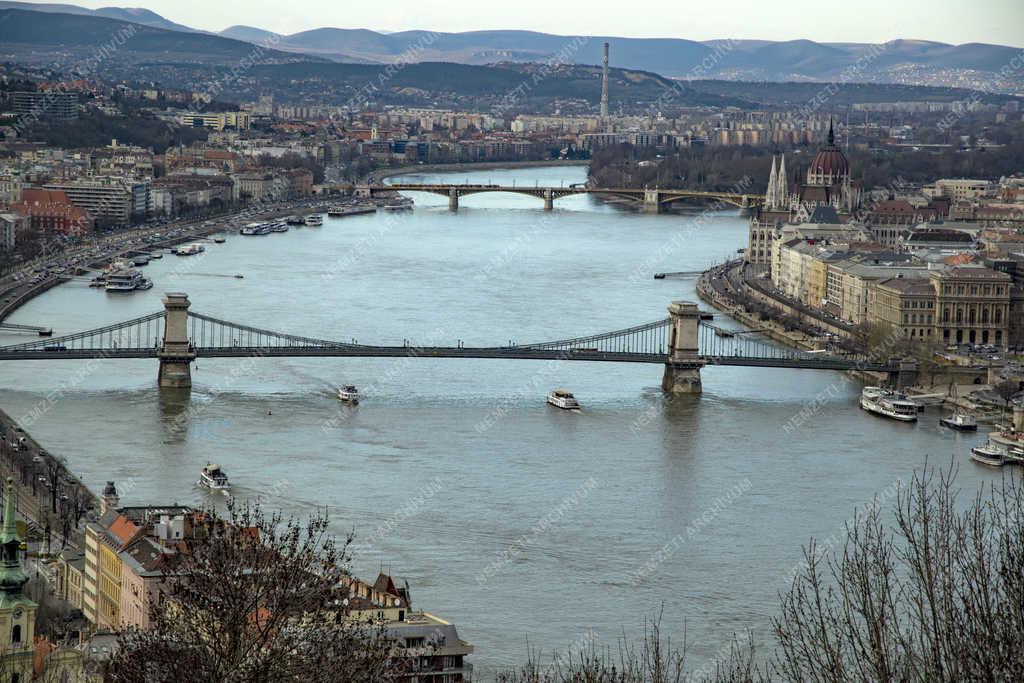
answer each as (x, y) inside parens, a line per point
(1014, 456)
(219, 240)
(156, 254)
(140, 261)
(256, 229)
(294, 220)
(213, 477)
(126, 280)
(314, 220)
(560, 398)
(145, 284)
(278, 226)
(190, 249)
(348, 393)
(890, 404)
(960, 421)
(988, 454)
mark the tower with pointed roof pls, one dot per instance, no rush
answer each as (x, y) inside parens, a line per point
(770, 199)
(17, 613)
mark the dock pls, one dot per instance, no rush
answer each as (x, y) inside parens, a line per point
(678, 274)
(41, 331)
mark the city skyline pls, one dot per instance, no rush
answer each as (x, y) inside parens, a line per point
(873, 21)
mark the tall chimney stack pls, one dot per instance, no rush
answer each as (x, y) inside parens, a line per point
(604, 84)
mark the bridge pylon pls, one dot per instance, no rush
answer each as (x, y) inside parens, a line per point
(176, 353)
(453, 199)
(682, 371)
(652, 201)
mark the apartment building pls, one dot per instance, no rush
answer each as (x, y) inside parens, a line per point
(114, 200)
(958, 189)
(50, 104)
(238, 120)
(432, 648)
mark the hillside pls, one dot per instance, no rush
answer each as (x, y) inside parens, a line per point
(34, 36)
(976, 65)
(135, 15)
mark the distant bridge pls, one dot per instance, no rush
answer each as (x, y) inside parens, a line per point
(682, 342)
(653, 200)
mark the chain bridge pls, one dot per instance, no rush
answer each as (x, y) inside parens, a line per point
(682, 343)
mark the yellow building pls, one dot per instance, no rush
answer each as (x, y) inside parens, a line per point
(104, 539)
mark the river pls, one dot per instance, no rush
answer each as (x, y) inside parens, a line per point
(515, 520)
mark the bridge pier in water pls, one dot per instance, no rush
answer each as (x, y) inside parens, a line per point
(549, 199)
(682, 371)
(652, 201)
(453, 199)
(176, 354)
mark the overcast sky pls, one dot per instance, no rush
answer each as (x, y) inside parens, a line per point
(950, 21)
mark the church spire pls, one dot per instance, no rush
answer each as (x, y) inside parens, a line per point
(783, 189)
(831, 134)
(770, 198)
(12, 576)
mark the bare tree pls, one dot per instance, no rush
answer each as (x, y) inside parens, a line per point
(1006, 390)
(53, 470)
(936, 597)
(255, 597)
(932, 590)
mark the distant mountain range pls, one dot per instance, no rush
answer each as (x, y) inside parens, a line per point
(52, 36)
(900, 61)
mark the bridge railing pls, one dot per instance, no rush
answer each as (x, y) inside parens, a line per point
(145, 332)
(648, 338)
(213, 333)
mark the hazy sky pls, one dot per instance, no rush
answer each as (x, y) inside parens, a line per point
(987, 21)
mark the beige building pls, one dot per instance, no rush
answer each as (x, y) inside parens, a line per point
(958, 188)
(907, 304)
(952, 305)
(973, 305)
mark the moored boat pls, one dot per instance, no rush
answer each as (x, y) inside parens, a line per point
(189, 249)
(126, 280)
(960, 421)
(988, 454)
(888, 403)
(314, 220)
(561, 398)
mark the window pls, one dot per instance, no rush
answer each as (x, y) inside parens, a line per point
(16, 634)
(997, 316)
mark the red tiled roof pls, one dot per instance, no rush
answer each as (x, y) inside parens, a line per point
(123, 529)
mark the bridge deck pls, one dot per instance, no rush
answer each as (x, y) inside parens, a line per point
(514, 353)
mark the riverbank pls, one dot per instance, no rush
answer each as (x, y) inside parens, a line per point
(724, 288)
(380, 174)
(36, 472)
(18, 288)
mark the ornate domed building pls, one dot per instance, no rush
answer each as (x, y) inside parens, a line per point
(826, 191)
(827, 182)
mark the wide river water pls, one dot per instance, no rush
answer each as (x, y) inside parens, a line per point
(525, 525)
